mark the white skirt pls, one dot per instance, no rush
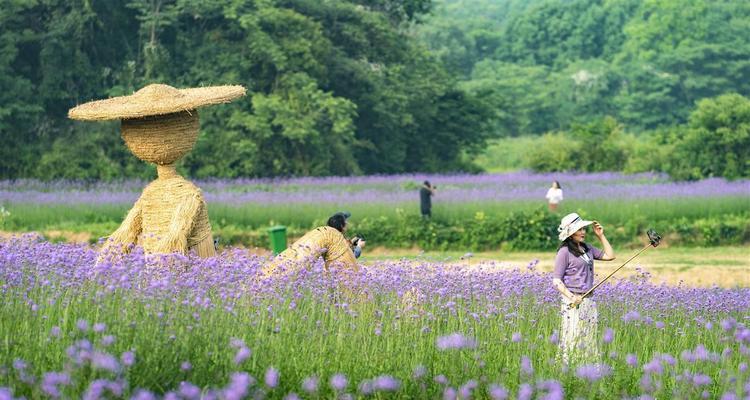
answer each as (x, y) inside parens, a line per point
(578, 335)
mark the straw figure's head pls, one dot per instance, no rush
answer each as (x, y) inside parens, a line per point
(161, 139)
(159, 123)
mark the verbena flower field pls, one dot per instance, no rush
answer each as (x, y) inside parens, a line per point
(390, 189)
(182, 328)
(236, 207)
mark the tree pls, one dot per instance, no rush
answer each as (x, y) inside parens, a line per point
(335, 87)
(521, 98)
(716, 142)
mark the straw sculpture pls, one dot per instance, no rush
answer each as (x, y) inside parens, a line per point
(322, 241)
(159, 124)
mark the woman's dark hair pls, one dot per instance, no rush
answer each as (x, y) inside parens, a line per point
(337, 221)
(573, 248)
(426, 183)
(557, 184)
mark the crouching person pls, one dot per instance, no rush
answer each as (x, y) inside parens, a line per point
(324, 241)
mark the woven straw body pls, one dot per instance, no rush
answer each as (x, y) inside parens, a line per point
(161, 139)
(170, 217)
(175, 218)
(156, 99)
(322, 241)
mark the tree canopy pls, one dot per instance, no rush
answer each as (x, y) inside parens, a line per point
(550, 64)
(364, 86)
(334, 87)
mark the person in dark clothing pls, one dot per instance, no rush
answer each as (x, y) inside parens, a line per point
(425, 199)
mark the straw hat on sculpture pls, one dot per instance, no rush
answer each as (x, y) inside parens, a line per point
(160, 125)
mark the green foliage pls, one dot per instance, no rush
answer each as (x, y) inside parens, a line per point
(521, 97)
(559, 63)
(554, 152)
(506, 154)
(592, 147)
(475, 227)
(337, 87)
(716, 142)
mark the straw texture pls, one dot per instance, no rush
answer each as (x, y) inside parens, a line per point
(325, 241)
(156, 99)
(170, 217)
(160, 125)
(161, 139)
(175, 217)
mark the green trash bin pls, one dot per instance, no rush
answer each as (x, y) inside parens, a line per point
(278, 238)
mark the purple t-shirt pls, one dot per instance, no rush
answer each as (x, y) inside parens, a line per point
(575, 272)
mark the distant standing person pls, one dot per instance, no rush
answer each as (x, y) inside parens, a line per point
(425, 199)
(554, 196)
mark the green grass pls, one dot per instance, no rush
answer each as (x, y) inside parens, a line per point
(612, 212)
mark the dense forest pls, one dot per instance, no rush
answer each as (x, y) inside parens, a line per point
(382, 86)
(544, 65)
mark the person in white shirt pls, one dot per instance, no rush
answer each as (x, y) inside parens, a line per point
(554, 196)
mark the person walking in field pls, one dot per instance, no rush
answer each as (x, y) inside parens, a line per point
(554, 196)
(425, 199)
(573, 275)
(325, 241)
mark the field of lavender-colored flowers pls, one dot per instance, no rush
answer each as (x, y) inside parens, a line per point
(389, 189)
(303, 202)
(135, 328)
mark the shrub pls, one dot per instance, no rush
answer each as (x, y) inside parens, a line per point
(716, 142)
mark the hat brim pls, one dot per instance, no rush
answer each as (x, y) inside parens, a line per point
(573, 229)
(155, 100)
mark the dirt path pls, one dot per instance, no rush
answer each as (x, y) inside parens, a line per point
(722, 266)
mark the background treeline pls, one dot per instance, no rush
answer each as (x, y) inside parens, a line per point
(335, 87)
(618, 82)
(344, 87)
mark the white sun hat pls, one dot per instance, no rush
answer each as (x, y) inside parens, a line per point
(570, 224)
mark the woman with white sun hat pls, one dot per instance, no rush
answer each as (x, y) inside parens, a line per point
(573, 275)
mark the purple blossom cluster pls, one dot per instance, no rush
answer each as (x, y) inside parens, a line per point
(388, 189)
(462, 295)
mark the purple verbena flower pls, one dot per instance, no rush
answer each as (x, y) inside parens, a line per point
(455, 341)
(99, 327)
(310, 384)
(593, 372)
(188, 391)
(525, 391)
(338, 382)
(242, 354)
(497, 392)
(271, 378)
(386, 383)
(128, 358)
(526, 366)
